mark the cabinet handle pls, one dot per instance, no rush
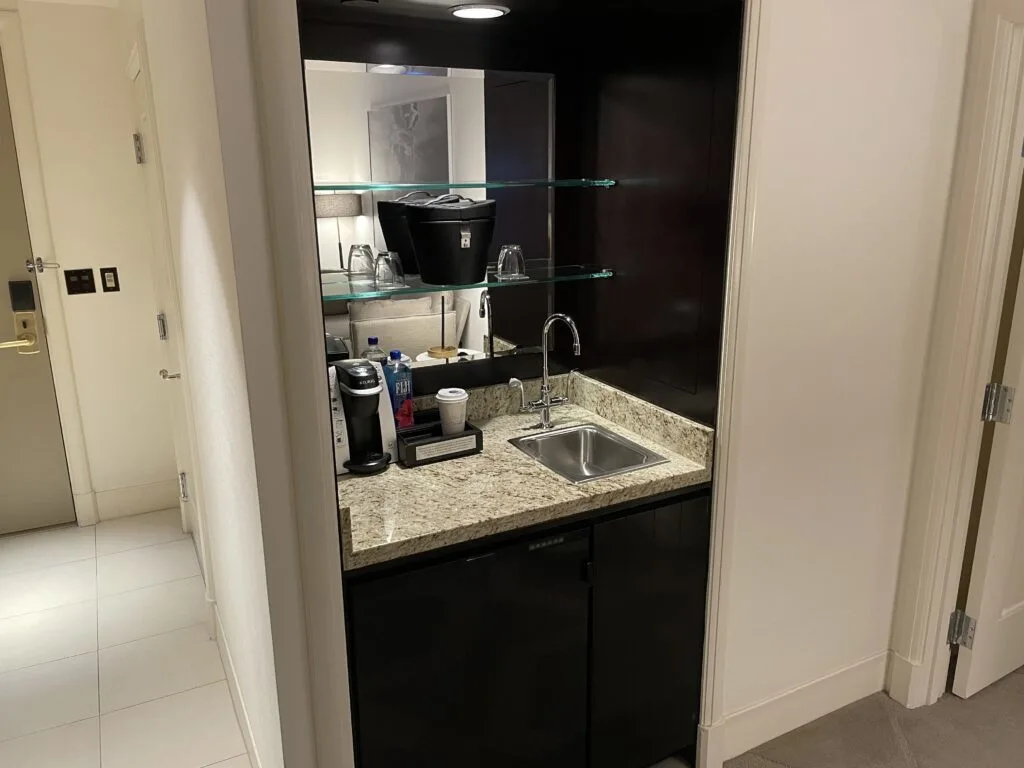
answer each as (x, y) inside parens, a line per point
(588, 572)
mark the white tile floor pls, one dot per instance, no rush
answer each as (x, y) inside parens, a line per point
(105, 656)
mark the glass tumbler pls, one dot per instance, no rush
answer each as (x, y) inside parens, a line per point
(511, 265)
(388, 272)
(360, 262)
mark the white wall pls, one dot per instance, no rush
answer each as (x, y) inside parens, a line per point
(209, 277)
(81, 104)
(853, 128)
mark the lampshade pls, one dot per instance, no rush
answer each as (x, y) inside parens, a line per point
(338, 205)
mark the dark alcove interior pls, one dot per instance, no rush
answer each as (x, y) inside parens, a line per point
(644, 92)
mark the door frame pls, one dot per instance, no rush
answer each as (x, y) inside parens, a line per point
(983, 209)
(12, 49)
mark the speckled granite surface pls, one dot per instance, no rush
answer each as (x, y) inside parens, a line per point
(663, 427)
(403, 511)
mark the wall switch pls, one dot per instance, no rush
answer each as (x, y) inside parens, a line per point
(79, 281)
(108, 278)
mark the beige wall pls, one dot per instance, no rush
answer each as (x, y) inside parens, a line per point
(208, 278)
(81, 104)
(852, 138)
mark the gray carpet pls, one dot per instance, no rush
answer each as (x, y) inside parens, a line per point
(985, 731)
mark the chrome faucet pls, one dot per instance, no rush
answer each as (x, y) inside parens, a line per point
(546, 401)
(485, 311)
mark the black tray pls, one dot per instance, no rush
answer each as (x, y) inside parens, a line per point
(423, 442)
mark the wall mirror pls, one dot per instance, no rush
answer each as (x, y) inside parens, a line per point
(434, 198)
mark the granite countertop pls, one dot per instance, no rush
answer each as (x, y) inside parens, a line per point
(405, 511)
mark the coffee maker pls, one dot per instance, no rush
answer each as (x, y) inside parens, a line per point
(364, 424)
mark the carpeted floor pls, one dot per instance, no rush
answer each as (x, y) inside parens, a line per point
(985, 731)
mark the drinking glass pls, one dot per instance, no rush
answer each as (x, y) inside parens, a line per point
(388, 272)
(360, 262)
(511, 265)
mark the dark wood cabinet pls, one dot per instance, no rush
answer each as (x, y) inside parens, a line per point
(477, 662)
(649, 592)
(578, 649)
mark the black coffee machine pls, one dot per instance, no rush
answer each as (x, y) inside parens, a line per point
(360, 390)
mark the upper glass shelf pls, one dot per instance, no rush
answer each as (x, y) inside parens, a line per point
(367, 186)
(337, 286)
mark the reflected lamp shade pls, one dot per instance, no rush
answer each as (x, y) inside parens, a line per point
(338, 206)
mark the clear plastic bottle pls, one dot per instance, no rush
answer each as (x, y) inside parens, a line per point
(399, 378)
(374, 353)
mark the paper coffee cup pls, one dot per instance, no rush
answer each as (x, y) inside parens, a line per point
(452, 404)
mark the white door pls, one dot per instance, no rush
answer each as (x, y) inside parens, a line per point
(995, 598)
(168, 323)
(35, 488)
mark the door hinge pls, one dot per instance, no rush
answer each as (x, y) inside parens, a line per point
(183, 485)
(140, 149)
(161, 326)
(998, 403)
(961, 629)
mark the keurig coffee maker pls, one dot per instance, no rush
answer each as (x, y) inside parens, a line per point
(360, 388)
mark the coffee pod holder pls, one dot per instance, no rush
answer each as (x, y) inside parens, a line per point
(423, 443)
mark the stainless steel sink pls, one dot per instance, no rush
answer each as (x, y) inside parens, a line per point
(586, 452)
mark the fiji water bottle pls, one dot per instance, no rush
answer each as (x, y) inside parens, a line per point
(399, 378)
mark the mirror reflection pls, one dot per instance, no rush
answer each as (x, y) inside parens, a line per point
(405, 162)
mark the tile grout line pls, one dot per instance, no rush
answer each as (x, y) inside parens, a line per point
(99, 649)
(96, 555)
(99, 708)
(183, 537)
(100, 715)
(154, 635)
(98, 597)
(166, 696)
(233, 757)
(53, 728)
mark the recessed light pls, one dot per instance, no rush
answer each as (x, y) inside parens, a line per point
(390, 69)
(478, 11)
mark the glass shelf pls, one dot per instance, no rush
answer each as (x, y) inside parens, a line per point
(367, 186)
(336, 286)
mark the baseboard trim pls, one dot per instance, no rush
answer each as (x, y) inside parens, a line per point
(85, 508)
(136, 499)
(742, 731)
(907, 682)
(236, 695)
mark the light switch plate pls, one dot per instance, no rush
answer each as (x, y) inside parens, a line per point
(79, 281)
(109, 279)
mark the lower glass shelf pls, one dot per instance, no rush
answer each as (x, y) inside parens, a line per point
(338, 286)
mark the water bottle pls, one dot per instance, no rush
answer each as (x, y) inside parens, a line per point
(399, 379)
(374, 353)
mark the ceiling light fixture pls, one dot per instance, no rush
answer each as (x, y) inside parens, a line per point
(478, 11)
(387, 69)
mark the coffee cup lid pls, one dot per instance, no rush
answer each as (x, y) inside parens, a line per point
(451, 395)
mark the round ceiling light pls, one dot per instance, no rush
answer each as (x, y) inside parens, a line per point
(478, 11)
(389, 69)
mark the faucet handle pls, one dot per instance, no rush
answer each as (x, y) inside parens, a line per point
(515, 383)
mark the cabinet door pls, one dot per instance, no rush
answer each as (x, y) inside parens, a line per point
(479, 662)
(650, 582)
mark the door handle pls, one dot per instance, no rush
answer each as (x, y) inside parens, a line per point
(26, 334)
(165, 375)
(40, 266)
(25, 340)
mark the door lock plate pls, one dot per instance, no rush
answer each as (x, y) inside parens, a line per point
(26, 328)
